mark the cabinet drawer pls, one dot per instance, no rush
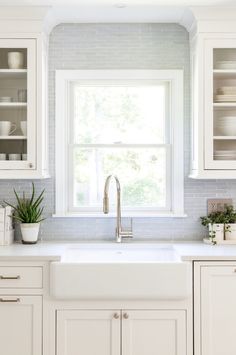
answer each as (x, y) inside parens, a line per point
(21, 277)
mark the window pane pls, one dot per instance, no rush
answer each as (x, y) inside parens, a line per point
(119, 114)
(142, 174)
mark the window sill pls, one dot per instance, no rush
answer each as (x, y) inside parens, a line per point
(124, 215)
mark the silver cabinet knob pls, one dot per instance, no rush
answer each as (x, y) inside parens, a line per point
(30, 165)
(126, 316)
(116, 316)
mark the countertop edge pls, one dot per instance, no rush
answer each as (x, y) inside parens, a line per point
(30, 258)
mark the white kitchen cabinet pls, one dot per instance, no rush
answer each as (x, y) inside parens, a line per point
(130, 332)
(152, 332)
(17, 105)
(220, 104)
(23, 93)
(81, 332)
(20, 325)
(23, 151)
(213, 62)
(215, 309)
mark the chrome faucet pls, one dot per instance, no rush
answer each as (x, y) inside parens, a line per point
(120, 234)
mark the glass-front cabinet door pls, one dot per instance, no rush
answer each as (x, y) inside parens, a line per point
(220, 104)
(17, 104)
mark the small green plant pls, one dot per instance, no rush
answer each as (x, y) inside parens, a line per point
(28, 210)
(230, 214)
(219, 217)
(213, 218)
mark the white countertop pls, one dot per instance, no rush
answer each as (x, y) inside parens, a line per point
(200, 251)
(52, 251)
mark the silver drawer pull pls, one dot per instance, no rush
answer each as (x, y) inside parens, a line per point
(9, 277)
(8, 300)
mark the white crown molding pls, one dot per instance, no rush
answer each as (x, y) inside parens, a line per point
(45, 18)
(216, 13)
(111, 14)
(206, 19)
(27, 13)
(188, 20)
(23, 19)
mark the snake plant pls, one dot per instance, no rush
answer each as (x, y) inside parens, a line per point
(28, 210)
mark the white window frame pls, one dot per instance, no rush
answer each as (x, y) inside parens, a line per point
(63, 81)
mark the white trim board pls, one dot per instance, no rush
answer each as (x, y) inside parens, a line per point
(63, 80)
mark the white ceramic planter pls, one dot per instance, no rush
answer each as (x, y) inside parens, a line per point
(29, 232)
(216, 232)
(230, 234)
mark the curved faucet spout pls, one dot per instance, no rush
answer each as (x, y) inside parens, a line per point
(119, 233)
(106, 190)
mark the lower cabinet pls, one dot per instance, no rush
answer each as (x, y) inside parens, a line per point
(153, 332)
(88, 332)
(20, 325)
(215, 309)
(112, 332)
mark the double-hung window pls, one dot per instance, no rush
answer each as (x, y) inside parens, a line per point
(127, 123)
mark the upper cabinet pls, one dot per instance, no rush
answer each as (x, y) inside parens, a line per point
(214, 107)
(23, 108)
(213, 73)
(220, 104)
(17, 104)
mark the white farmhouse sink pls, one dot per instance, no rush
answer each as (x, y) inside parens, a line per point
(124, 271)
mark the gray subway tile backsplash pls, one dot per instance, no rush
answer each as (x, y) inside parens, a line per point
(122, 46)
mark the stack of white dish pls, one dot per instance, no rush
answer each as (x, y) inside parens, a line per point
(226, 126)
(226, 64)
(225, 155)
(226, 94)
(5, 99)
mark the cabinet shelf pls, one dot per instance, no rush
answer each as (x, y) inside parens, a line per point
(13, 104)
(224, 138)
(13, 73)
(224, 104)
(12, 137)
(224, 73)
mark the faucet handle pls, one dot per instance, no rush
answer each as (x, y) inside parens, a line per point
(127, 234)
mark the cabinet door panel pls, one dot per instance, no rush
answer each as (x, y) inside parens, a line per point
(20, 325)
(20, 86)
(88, 332)
(154, 333)
(216, 143)
(218, 310)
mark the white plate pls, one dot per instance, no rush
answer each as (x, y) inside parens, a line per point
(226, 90)
(226, 119)
(225, 96)
(226, 99)
(226, 65)
(5, 99)
(224, 158)
(224, 153)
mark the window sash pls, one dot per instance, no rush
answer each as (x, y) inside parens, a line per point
(121, 83)
(168, 174)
